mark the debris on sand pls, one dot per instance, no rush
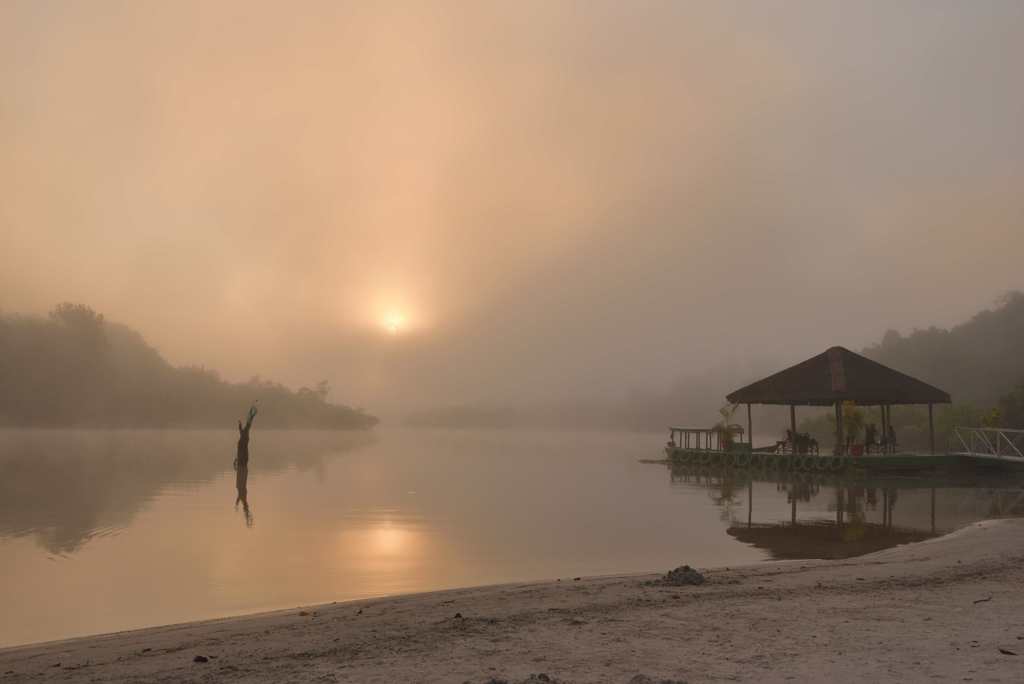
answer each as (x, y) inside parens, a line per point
(200, 659)
(682, 575)
(541, 678)
(644, 679)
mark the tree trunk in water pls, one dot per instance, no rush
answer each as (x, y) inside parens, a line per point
(242, 459)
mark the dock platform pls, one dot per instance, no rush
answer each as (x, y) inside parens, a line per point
(768, 460)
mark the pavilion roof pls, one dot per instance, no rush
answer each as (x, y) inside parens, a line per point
(838, 374)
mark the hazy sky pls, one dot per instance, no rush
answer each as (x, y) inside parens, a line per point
(549, 200)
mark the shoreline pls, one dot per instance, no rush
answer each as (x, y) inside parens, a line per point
(942, 608)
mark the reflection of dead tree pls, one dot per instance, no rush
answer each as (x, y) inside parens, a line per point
(242, 485)
(242, 459)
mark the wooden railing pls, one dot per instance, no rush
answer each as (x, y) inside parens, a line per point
(705, 439)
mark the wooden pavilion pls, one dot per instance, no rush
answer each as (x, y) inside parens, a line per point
(835, 376)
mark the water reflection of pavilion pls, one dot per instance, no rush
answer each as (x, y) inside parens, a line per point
(810, 515)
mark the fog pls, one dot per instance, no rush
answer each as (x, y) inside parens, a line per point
(480, 203)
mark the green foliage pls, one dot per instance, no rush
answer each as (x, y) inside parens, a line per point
(76, 369)
(992, 419)
(853, 422)
(724, 427)
(78, 316)
(957, 414)
(1011, 408)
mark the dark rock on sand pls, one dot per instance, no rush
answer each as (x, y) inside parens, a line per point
(684, 574)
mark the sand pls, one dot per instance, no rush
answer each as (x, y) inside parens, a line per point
(937, 610)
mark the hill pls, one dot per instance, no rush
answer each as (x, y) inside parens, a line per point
(977, 362)
(74, 368)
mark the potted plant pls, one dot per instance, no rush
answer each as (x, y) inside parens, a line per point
(853, 424)
(727, 431)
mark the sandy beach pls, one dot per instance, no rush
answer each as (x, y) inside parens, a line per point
(948, 609)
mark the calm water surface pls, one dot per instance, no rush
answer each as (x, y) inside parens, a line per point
(104, 531)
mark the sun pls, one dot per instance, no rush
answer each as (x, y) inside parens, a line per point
(393, 322)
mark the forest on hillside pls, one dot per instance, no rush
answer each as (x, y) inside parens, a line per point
(979, 362)
(74, 368)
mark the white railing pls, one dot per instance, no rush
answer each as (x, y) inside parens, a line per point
(990, 442)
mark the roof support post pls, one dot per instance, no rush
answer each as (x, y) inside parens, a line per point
(839, 429)
(931, 429)
(750, 429)
(792, 427)
(885, 428)
(881, 439)
(888, 426)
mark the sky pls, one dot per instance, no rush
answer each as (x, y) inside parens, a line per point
(433, 203)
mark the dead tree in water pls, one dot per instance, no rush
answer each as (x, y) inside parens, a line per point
(242, 459)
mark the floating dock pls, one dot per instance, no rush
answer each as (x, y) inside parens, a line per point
(978, 448)
(739, 457)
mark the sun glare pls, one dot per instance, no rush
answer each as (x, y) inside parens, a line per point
(394, 322)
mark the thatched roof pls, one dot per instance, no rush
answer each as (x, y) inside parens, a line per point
(838, 374)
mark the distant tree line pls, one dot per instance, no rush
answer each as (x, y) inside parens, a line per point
(980, 363)
(74, 368)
